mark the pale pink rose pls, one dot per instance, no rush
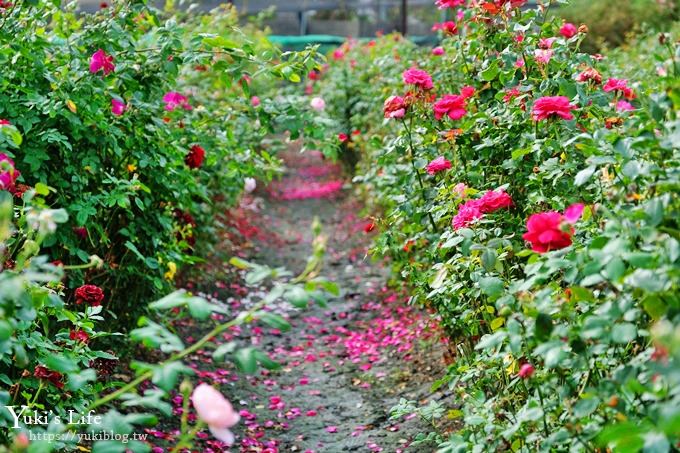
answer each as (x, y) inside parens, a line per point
(574, 212)
(460, 189)
(543, 55)
(624, 106)
(214, 409)
(318, 104)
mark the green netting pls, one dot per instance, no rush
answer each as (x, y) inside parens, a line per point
(328, 42)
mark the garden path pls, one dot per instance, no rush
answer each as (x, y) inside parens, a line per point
(345, 365)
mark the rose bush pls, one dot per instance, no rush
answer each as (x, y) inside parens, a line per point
(549, 296)
(123, 113)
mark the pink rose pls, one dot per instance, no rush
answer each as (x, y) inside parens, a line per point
(568, 30)
(526, 371)
(117, 107)
(624, 106)
(174, 99)
(620, 86)
(448, 27)
(452, 105)
(439, 50)
(551, 106)
(543, 55)
(467, 92)
(254, 101)
(214, 409)
(394, 107)
(8, 173)
(442, 4)
(590, 75)
(437, 165)
(100, 61)
(418, 77)
(468, 212)
(494, 200)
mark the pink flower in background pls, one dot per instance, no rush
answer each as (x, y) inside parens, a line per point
(624, 106)
(620, 86)
(214, 409)
(460, 189)
(100, 61)
(438, 164)
(552, 106)
(343, 137)
(511, 94)
(394, 107)
(452, 105)
(519, 38)
(546, 43)
(543, 55)
(338, 54)
(5, 123)
(439, 50)
(174, 99)
(117, 107)
(443, 4)
(568, 30)
(8, 173)
(574, 212)
(590, 75)
(254, 101)
(519, 63)
(418, 77)
(494, 200)
(448, 27)
(467, 92)
(318, 104)
(526, 371)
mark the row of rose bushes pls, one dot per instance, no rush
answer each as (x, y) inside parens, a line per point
(124, 137)
(528, 192)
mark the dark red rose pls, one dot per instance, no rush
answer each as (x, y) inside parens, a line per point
(46, 374)
(195, 157)
(90, 294)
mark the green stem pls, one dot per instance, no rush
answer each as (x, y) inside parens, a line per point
(417, 172)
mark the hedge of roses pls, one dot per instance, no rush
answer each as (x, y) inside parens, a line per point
(123, 117)
(528, 192)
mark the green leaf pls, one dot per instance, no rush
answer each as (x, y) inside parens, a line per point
(584, 175)
(273, 320)
(491, 286)
(246, 360)
(624, 332)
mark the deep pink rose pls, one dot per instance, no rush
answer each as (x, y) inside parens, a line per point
(343, 137)
(214, 409)
(100, 61)
(494, 200)
(174, 99)
(438, 164)
(620, 86)
(8, 173)
(442, 4)
(394, 107)
(254, 101)
(526, 371)
(117, 107)
(568, 30)
(448, 27)
(452, 105)
(467, 92)
(550, 106)
(439, 50)
(511, 94)
(547, 231)
(467, 213)
(338, 54)
(418, 77)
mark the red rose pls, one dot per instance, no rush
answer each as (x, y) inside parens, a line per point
(369, 227)
(90, 294)
(79, 335)
(46, 374)
(526, 371)
(195, 157)
(546, 231)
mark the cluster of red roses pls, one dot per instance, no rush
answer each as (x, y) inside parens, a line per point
(475, 209)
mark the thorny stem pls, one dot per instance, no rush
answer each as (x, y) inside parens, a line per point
(545, 423)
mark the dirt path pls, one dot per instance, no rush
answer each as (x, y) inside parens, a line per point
(344, 366)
